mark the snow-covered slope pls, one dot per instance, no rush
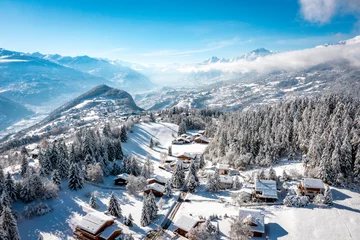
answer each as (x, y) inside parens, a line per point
(11, 111)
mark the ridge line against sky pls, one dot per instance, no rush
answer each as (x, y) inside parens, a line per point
(163, 32)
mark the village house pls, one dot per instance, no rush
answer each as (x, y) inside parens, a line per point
(186, 156)
(226, 182)
(223, 169)
(255, 219)
(311, 187)
(181, 140)
(157, 179)
(185, 224)
(266, 190)
(202, 139)
(157, 189)
(34, 154)
(121, 179)
(96, 226)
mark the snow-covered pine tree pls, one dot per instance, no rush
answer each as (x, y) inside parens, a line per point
(134, 168)
(236, 183)
(24, 165)
(168, 189)
(76, 180)
(202, 162)
(272, 174)
(89, 159)
(125, 165)
(92, 202)
(10, 187)
(193, 171)
(129, 220)
(26, 192)
(191, 184)
(216, 177)
(178, 177)
(328, 196)
(123, 134)
(55, 177)
(182, 128)
(63, 168)
(115, 169)
(285, 176)
(9, 224)
(152, 206)
(145, 218)
(261, 175)
(119, 155)
(5, 200)
(114, 208)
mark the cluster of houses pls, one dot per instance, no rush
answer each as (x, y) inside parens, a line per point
(197, 138)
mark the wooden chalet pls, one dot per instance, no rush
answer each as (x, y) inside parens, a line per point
(96, 226)
(255, 219)
(157, 189)
(157, 179)
(186, 156)
(185, 224)
(223, 169)
(311, 187)
(201, 139)
(121, 179)
(225, 182)
(266, 190)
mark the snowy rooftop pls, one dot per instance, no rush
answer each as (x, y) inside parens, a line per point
(109, 231)
(124, 176)
(267, 188)
(312, 183)
(155, 186)
(255, 217)
(186, 154)
(226, 179)
(159, 179)
(93, 221)
(186, 222)
(203, 138)
(222, 166)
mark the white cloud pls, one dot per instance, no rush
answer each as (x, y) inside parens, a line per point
(287, 61)
(322, 11)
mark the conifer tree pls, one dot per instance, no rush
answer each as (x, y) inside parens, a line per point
(93, 203)
(114, 206)
(151, 144)
(170, 151)
(123, 134)
(10, 187)
(236, 183)
(191, 184)
(145, 218)
(152, 206)
(115, 169)
(55, 177)
(272, 174)
(202, 162)
(178, 177)
(64, 168)
(119, 155)
(76, 180)
(168, 189)
(24, 166)
(9, 224)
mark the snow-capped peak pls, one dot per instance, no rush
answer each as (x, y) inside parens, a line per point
(351, 40)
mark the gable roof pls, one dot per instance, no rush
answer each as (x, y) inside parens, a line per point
(222, 166)
(226, 179)
(93, 222)
(109, 231)
(312, 183)
(188, 155)
(159, 179)
(156, 187)
(202, 138)
(124, 176)
(186, 222)
(255, 217)
(267, 188)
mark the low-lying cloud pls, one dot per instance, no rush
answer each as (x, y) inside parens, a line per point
(287, 61)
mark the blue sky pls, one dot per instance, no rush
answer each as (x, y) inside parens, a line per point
(161, 32)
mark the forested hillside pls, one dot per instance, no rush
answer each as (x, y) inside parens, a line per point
(322, 131)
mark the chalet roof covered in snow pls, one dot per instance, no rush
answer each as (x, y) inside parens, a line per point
(159, 179)
(109, 231)
(156, 187)
(222, 166)
(312, 183)
(254, 218)
(202, 138)
(124, 176)
(93, 221)
(186, 223)
(267, 188)
(188, 155)
(226, 179)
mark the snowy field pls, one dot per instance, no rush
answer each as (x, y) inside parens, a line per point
(70, 206)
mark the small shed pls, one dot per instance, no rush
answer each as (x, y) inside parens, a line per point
(266, 190)
(223, 169)
(311, 187)
(185, 223)
(121, 179)
(202, 139)
(157, 189)
(255, 219)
